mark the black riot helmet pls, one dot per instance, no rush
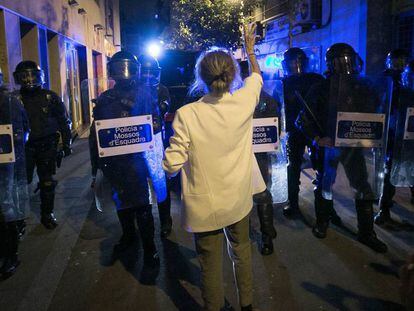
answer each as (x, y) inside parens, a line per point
(123, 66)
(29, 75)
(396, 61)
(295, 62)
(341, 58)
(150, 70)
(407, 76)
(360, 64)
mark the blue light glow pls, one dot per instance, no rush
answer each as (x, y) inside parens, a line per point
(154, 49)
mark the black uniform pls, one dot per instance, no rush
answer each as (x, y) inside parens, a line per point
(401, 98)
(150, 75)
(128, 174)
(346, 91)
(164, 207)
(13, 183)
(352, 160)
(266, 108)
(48, 118)
(296, 142)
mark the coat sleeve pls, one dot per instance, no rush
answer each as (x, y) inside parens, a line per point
(177, 154)
(250, 92)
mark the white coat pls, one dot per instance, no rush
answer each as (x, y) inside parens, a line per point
(212, 146)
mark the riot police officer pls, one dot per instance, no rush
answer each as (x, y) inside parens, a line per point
(14, 198)
(344, 90)
(127, 173)
(267, 107)
(151, 75)
(297, 80)
(395, 63)
(49, 123)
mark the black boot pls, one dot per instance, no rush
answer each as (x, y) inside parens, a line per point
(366, 233)
(247, 308)
(47, 202)
(265, 213)
(334, 218)
(383, 217)
(292, 209)
(145, 222)
(11, 262)
(164, 210)
(323, 214)
(127, 220)
(21, 225)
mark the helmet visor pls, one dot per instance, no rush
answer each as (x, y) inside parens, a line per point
(396, 63)
(294, 66)
(30, 78)
(344, 65)
(123, 70)
(150, 77)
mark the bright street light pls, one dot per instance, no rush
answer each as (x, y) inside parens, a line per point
(154, 49)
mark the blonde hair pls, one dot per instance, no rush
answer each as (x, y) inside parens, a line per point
(216, 72)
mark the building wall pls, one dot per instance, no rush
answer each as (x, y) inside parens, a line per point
(56, 26)
(364, 24)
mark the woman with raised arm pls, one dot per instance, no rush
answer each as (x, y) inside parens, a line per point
(212, 146)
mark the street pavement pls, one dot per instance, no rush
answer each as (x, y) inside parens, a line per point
(73, 268)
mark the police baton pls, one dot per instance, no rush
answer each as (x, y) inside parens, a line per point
(303, 102)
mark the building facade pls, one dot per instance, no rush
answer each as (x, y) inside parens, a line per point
(70, 39)
(367, 25)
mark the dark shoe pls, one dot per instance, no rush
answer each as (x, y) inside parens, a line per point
(366, 233)
(9, 267)
(125, 242)
(336, 220)
(151, 259)
(21, 225)
(227, 306)
(266, 248)
(247, 308)
(290, 211)
(49, 221)
(373, 242)
(166, 228)
(320, 229)
(383, 217)
(164, 210)
(323, 213)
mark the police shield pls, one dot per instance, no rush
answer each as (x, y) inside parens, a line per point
(269, 143)
(357, 126)
(14, 198)
(125, 144)
(402, 121)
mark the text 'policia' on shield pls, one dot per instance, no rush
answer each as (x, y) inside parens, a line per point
(124, 135)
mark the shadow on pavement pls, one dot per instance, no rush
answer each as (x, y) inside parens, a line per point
(337, 297)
